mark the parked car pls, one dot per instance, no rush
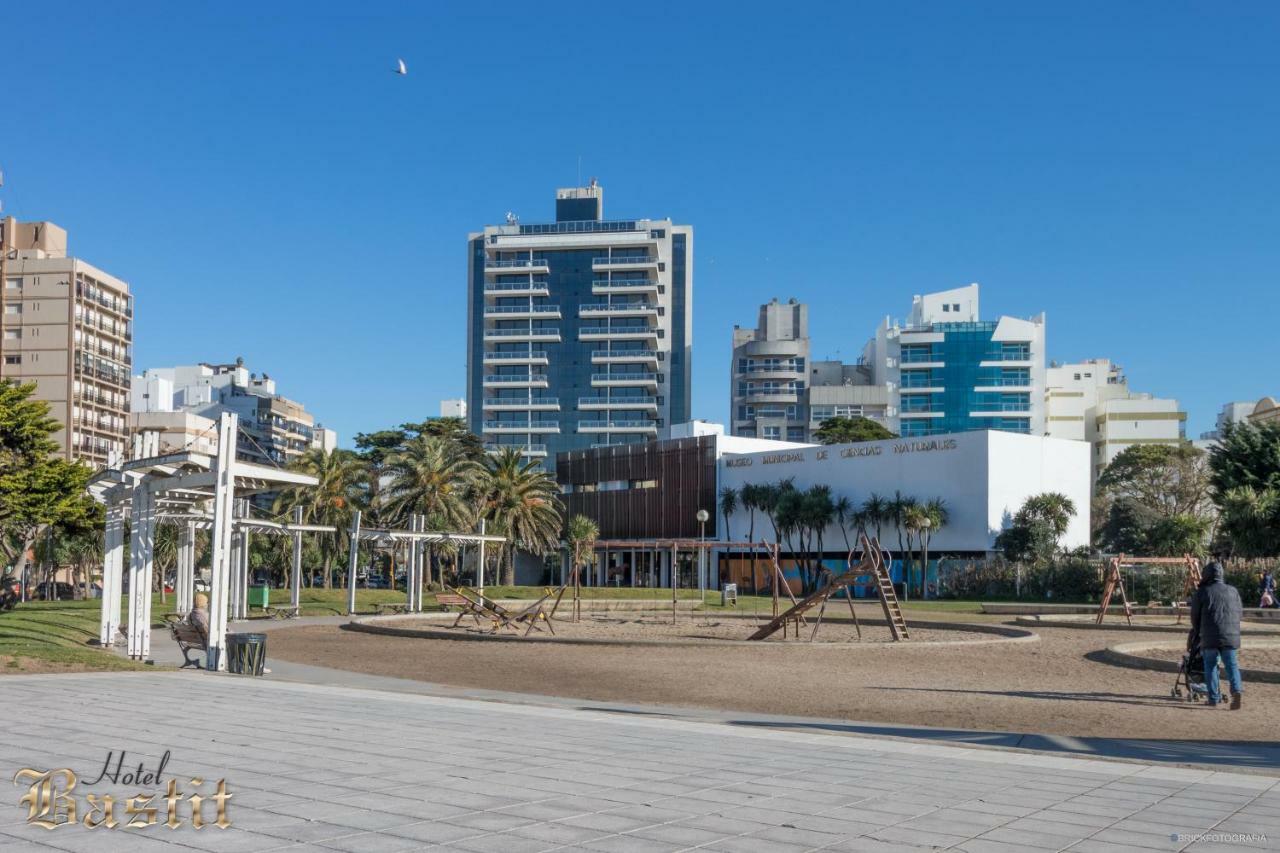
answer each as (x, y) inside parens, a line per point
(56, 591)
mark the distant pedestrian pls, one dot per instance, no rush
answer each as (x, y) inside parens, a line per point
(1215, 613)
(1267, 590)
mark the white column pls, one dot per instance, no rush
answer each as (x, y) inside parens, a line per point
(187, 568)
(295, 577)
(220, 541)
(233, 603)
(141, 557)
(351, 563)
(411, 558)
(244, 567)
(480, 570)
(112, 573)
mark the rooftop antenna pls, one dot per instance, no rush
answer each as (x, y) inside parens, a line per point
(512, 219)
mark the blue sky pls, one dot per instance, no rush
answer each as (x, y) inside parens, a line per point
(272, 191)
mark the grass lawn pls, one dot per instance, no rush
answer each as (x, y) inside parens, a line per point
(333, 602)
(53, 636)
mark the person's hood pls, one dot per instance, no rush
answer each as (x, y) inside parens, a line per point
(1212, 574)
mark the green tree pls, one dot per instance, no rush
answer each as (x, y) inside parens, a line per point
(522, 501)
(1246, 456)
(342, 489)
(37, 488)
(431, 476)
(581, 534)
(1033, 535)
(1251, 521)
(875, 510)
(1169, 479)
(849, 430)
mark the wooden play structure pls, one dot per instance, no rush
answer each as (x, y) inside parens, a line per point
(484, 610)
(872, 564)
(1114, 580)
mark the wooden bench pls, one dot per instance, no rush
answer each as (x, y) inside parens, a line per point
(477, 608)
(392, 606)
(287, 611)
(188, 637)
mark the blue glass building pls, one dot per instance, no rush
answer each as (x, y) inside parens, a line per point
(579, 330)
(949, 371)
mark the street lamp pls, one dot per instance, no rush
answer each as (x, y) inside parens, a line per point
(703, 517)
(925, 524)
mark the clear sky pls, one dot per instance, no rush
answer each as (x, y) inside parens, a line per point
(271, 190)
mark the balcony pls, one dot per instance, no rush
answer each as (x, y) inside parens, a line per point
(549, 336)
(618, 426)
(538, 356)
(516, 265)
(624, 380)
(537, 403)
(511, 428)
(533, 450)
(633, 356)
(629, 262)
(625, 285)
(507, 381)
(617, 333)
(771, 396)
(595, 403)
(517, 288)
(522, 312)
(622, 309)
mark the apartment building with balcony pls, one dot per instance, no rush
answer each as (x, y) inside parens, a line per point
(66, 326)
(947, 370)
(778, 392)
(579, 330)
(1091, 401)
(272, 429)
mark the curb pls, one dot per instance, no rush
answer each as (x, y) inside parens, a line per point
(1128, 655)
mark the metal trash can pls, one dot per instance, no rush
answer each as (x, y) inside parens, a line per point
(728, 593)
(246, 653)
(261, 596)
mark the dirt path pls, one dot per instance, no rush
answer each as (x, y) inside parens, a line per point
(1049, 687)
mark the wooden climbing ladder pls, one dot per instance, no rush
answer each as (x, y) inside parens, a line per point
(872, 563)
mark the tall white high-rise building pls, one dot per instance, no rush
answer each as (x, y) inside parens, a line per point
(1091, 401)
(948, 370)
(579, 330)
(453, 409)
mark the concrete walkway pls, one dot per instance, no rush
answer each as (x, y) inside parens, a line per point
(327, 767)
(1261, 757)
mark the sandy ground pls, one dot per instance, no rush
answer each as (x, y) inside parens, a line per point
(685, 627)
(1052, 686)
(1268, 659)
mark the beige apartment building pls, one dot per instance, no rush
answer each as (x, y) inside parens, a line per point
(67, 326)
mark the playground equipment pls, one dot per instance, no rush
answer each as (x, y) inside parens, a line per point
(1114, 580)
(872, 564)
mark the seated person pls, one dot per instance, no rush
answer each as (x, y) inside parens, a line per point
(199, 615)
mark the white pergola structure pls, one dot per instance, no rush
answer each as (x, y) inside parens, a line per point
(417, 538)
(171, 487)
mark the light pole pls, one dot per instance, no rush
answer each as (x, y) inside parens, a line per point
(703, 516)
(925, 524)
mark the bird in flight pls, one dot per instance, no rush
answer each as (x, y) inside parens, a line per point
(400, 68)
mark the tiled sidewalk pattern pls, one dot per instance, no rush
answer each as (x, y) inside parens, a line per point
(325, 768)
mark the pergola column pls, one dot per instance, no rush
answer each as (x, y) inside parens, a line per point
(112, 573)
(244, 564)
(351, 563)
(295, 577)
(141, 564)
(186, 568)
(412, 587)
(220, 540)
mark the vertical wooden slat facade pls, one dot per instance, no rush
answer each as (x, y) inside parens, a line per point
(682, 472)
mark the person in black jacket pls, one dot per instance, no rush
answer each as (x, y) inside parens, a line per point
(1215, 614)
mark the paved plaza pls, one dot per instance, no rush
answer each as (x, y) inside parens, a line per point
(339, 768)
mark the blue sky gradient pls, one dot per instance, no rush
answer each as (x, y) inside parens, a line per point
(271, 190)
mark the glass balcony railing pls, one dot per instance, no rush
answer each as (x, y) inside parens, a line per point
(530, 426)
(623, 260)
(503, 286)
(618, 402)
(624, 282)
(520, 403)
(514, 263)
(603, 426)
(616, 308)
(515, 356)
(522, 309)
(521, 333)
(624, 377)
(501, 378)
(646, 354)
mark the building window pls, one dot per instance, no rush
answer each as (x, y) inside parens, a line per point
(12, 334)
(773, 432)
(795, 433)
(13, 359)
(13, 284)
(13, 309)
(946, 308)
(956, 307)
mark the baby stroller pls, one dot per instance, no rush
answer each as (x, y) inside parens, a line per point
(1191, 671)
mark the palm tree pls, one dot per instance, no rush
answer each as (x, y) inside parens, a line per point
(915, 519)
(845, 514)
(728, 505)
(896, 512)
(522, 501)
(935, 510)
(581, 534)
(750, 498)
(817, 514)
(875, 510)
(431, 476)
(342, 488)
